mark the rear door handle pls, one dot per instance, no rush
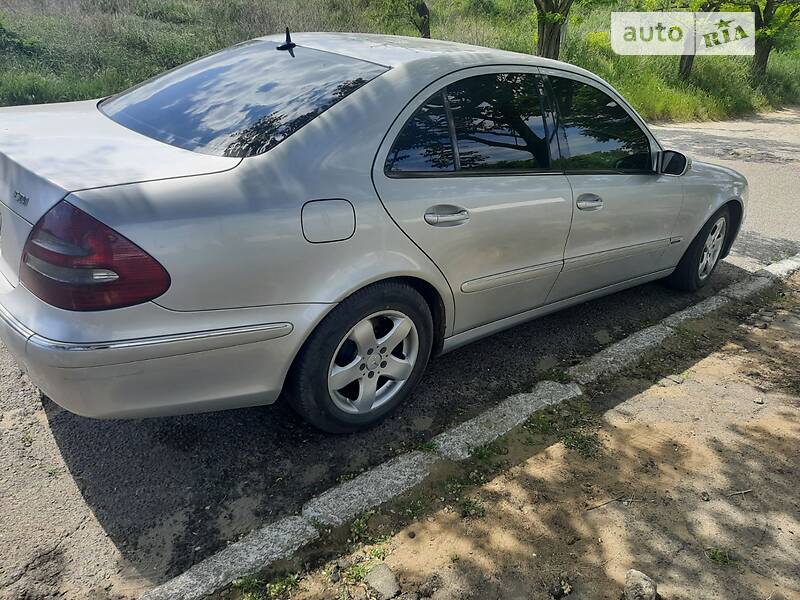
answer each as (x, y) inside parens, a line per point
(433, 217)
(589, 202)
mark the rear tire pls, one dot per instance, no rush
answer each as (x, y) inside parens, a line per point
(702, 256)
(363, 360)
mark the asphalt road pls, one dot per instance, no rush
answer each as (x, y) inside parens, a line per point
(105, 509)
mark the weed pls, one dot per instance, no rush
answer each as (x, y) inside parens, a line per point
(255, 588)
(415, 508)
(488, 451)
(427, 446)
(379, 551)
(559, 375)
(472, 508)
(454, 558)
(281, 587)
(539, 424)
(359, 528)
(585, 444)
(356, 573)
(454, 485)
(721, 557)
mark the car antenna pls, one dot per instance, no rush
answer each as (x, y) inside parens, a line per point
(289, 45)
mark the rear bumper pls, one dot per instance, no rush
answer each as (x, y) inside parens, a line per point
(169, 374)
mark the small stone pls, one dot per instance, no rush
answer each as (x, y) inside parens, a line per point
(761, 325)
(383, 582)
(431, 585)
(639, 586)
(758, 400)
(704, 496)
(412, 535)
(336, 575)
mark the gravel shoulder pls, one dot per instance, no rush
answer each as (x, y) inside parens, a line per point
(684, 467)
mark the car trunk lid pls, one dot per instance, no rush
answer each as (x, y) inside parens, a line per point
(48, 151)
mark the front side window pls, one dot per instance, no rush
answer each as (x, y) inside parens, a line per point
(490, 122)
(598, 134)
(241, 101)
(498, 123)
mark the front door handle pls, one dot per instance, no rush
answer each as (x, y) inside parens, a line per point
(589, 202)
(445, 219)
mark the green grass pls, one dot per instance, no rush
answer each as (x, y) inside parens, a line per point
(61, 50)
(472, 508)
(722, 557)
(255, 588)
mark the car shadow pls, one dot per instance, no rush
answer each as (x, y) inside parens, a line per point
(171, 491)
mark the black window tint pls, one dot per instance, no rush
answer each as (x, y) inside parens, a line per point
(241, 101)
(599, 134)
(499, 123)
(424, 143)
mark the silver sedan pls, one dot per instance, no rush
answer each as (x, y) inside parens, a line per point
(316, 217)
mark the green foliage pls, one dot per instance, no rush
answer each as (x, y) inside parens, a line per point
(587, 444)
(360, 530)
(169, 11)
(722, 557)
(356, 573)
(472, 508)
(93, 48)
(254, 588)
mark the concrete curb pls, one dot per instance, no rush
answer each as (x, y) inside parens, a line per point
(378, 485)
(338, 505)
(458, 443)
(263, 546)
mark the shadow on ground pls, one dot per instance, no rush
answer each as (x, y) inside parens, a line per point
(171, 491)
(716, 411)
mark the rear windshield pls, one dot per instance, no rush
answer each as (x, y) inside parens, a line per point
(241, 101)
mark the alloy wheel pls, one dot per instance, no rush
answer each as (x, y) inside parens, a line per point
(712, 248)
(373, 362)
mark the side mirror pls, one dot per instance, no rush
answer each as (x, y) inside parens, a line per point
(672, 162)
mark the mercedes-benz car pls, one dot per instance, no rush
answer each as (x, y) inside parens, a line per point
(315, 217)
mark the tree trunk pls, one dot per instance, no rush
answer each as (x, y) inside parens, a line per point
(549, 43)
(423, 19)
(761, 58)
(685, 68)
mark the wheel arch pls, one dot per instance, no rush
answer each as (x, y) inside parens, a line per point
(432, 296)
(736, 211)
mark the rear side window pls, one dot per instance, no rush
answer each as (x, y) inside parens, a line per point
(241, 101)
(598, 134)
(424, 143)
(499, 123)
(491, 122)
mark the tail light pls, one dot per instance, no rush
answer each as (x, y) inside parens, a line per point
(73, 261)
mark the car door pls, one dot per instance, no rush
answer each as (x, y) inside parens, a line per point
(624, 212)
(465, 172)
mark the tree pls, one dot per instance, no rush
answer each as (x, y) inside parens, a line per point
(551, 17)
(774, 21)
(687, 60)
(413, 12)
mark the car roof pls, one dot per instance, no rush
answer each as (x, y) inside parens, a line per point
(395, 50)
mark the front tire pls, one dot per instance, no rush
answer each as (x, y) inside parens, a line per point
(702, 257)
(364, 359)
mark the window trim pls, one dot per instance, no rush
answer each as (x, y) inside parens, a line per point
(654, 146)
(544, 101)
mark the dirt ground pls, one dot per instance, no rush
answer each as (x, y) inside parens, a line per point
(685, 467)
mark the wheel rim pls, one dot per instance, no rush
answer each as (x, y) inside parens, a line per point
(712, 248)
(373, 362)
